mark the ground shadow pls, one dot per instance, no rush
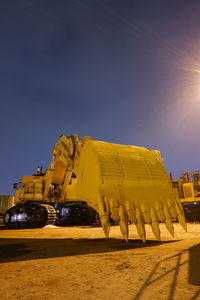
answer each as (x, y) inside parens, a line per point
(196, 296)
(27, 249)
(174, 271)
(194, 265)
(193, 273)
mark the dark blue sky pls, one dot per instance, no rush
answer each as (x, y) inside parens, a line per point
(120, 71)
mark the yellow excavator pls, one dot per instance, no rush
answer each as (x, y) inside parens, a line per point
(189, 193)
(123, 183)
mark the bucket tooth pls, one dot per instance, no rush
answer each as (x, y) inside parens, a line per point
(156, 230)
(141, 231)
(123, 222)
(140, 225)
(169, 226)
(181, 220)
(177, 201)
(104, 216)
(159, 211)
(172, 208)
(146, 213)
(101, 206)
(168, 221)
(105, 223)
(106, 203)
(130, 208)
(155, 225)
(179, 207)
(114, 207)
(180, 216)
(131, 216)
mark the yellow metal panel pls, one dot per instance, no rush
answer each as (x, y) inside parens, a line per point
(188, 190)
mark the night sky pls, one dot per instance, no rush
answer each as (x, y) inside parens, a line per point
(126, 72)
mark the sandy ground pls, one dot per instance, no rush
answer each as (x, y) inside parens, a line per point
(79, 263)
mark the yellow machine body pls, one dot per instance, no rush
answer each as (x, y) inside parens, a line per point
(188, 191)
(125, 183)
(32, 187)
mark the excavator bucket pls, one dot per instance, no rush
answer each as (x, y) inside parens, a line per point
(126, 184)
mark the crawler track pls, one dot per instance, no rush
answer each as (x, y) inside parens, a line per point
(50, 213)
